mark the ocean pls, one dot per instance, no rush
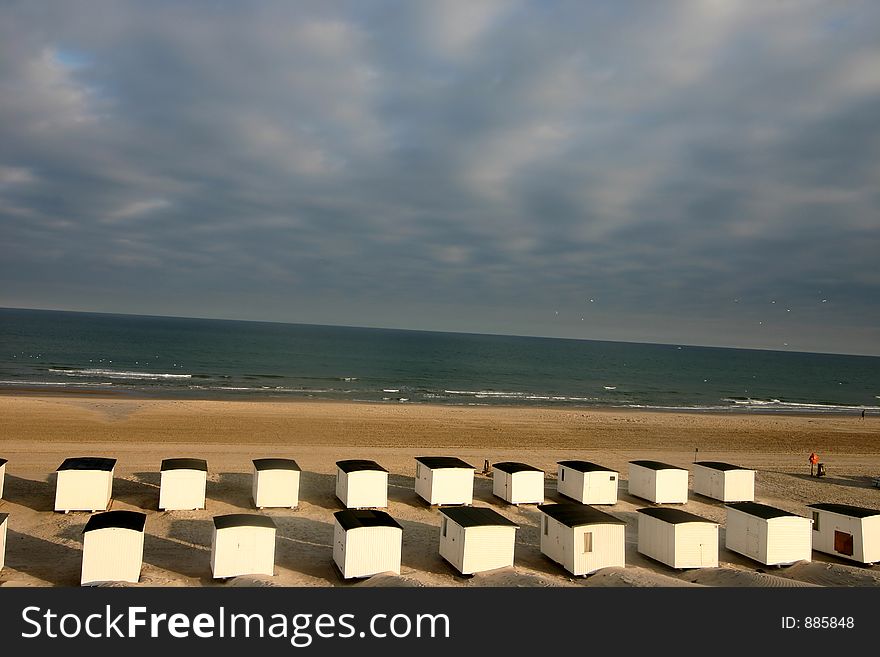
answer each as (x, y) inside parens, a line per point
(166, 357)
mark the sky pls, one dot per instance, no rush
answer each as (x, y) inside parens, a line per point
(675, 172)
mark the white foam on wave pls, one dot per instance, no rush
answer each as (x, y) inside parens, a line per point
(118, 374)
(485, 393)
(500, 394)
(263, 389)
(751, 402)
(778, 403)
(54, 383)
(674, 408)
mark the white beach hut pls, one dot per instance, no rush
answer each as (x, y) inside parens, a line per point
(678, 538)
(850, 532)
(768, 535)
(657, 482)
(242, 544)
(587, 482)
(182, 484)
(475, 539)
(723, 481)
(276, 483)
(361, 484)
(581, 538)
(84, 484)
(518, 483)
(113, 547)
(366, 542)
(2, 475)
(4, 520)
(444, 480)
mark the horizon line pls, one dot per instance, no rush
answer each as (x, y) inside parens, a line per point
(397, 328)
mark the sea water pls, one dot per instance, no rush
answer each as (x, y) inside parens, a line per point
(221, 359)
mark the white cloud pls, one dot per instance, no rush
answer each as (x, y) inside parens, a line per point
(860, 74)
(10, 176)
(454, 27)
(137, 209)
(48, 97)
(494, 161)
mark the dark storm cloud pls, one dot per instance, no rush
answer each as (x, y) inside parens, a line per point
(638, 171)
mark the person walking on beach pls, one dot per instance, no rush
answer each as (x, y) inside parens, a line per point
(814, 459)
(863, 413)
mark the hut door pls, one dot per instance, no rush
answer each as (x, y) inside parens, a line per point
(245, 545)
(717, 486)
(843, 543)
(752, 537)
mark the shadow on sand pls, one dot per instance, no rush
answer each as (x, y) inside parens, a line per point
(31, 493)
(136, 493)
(306, 546)
(233, 488)
(316, 489)
(854, 481)
(59, 564)
(178, 557)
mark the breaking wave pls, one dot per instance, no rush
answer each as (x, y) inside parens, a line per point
(118, 374)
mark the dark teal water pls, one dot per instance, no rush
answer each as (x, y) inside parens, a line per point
(214, 359)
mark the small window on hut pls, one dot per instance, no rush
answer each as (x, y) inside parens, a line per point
(418, 470)
(546, 525)
(444, 526)
(815, 521)
(612, 478)
(588, 542)
(563, 474)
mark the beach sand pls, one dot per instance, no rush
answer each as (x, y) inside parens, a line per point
(44, 548)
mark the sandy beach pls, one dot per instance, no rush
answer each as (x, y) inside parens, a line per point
(44, 548)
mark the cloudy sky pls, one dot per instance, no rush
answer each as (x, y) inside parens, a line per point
(684, 172)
